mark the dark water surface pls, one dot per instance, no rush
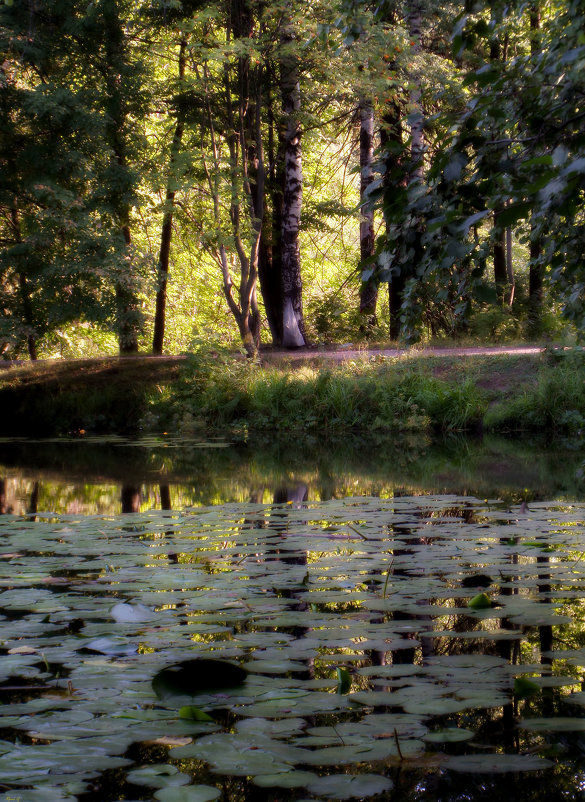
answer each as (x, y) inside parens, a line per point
(411, 615)
(98, 475)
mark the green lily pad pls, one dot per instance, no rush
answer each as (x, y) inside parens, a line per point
(448, 736)
(159, 775)
(189, 793)
(558, 724)
(287, 779)
(496, 764)
(348, 786)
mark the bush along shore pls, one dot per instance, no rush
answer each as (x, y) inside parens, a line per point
(214, 391)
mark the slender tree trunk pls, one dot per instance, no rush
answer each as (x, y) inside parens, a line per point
(270, 261)
(167, 226)
(398, 282)
(417, 147)
(510, 268)
(499, 244)
(499, 256)
(116, 65)
(535, 268)
(369, 287)
(293, 322)
(390, 143)
(23, 286)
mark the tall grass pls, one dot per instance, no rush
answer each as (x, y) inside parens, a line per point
(554, 402)
(358, 396)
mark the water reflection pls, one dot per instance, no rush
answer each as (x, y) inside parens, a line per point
(110, 475)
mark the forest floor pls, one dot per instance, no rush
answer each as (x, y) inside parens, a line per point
(114, 394)
(497, 368)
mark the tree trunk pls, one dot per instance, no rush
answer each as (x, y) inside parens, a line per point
(167, 226)
(398, 283)
(369, 287)
(390, 143)
(510, 269)
(535, 267)
(499, 244)
(499, 255)
(270, 261)
(116, 67)
(25, 299)
(293, 335)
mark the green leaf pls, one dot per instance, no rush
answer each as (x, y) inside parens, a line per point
(194, 714)
(525, 688)
(480, 602)
(189, 793)
(343, 680)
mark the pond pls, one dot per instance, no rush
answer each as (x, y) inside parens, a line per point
(297, 630)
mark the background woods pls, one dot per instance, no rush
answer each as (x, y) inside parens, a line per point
(258, 170)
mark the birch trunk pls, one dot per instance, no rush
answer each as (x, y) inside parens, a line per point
(293, 334)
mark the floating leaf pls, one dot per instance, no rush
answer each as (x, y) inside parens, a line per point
(189, 793)
(496, 764)
(131, 613)
(348, 786)
(159, 775)
(524, 688)
(194, 714)
(448, 735)
(480, 602)
(287, 779)
(343, 680)
(558, 724)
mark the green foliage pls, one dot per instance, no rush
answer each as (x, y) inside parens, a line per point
(555, 402)
(219, 392)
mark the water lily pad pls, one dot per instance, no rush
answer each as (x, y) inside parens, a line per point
(189, 793)
(288, 779)
(558, 724)
(496, 764)
(448, 735)
(350, 786)
(158, 775)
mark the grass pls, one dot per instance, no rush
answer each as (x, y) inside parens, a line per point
(213, 390)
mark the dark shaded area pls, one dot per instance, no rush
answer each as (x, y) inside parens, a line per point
(213, 471)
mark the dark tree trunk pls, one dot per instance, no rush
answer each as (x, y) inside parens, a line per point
(390, 142)
(167, 226)
(130, 498)
(270, 261)
(499, 244)
(23, 286)
(535, 268)
(293, 334)
(369, 287)
(165, 497)
(115, 67)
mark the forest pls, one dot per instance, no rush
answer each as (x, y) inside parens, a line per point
(275, 171)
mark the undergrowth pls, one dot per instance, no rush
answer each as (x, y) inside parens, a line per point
(217, 391)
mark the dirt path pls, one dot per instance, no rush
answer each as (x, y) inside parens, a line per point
(343, 353)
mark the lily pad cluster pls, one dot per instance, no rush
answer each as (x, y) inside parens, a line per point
(313, 648)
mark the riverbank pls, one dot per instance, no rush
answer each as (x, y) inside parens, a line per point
(500, 390)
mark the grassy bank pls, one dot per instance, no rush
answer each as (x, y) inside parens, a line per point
(78, 396)
(211, 390)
